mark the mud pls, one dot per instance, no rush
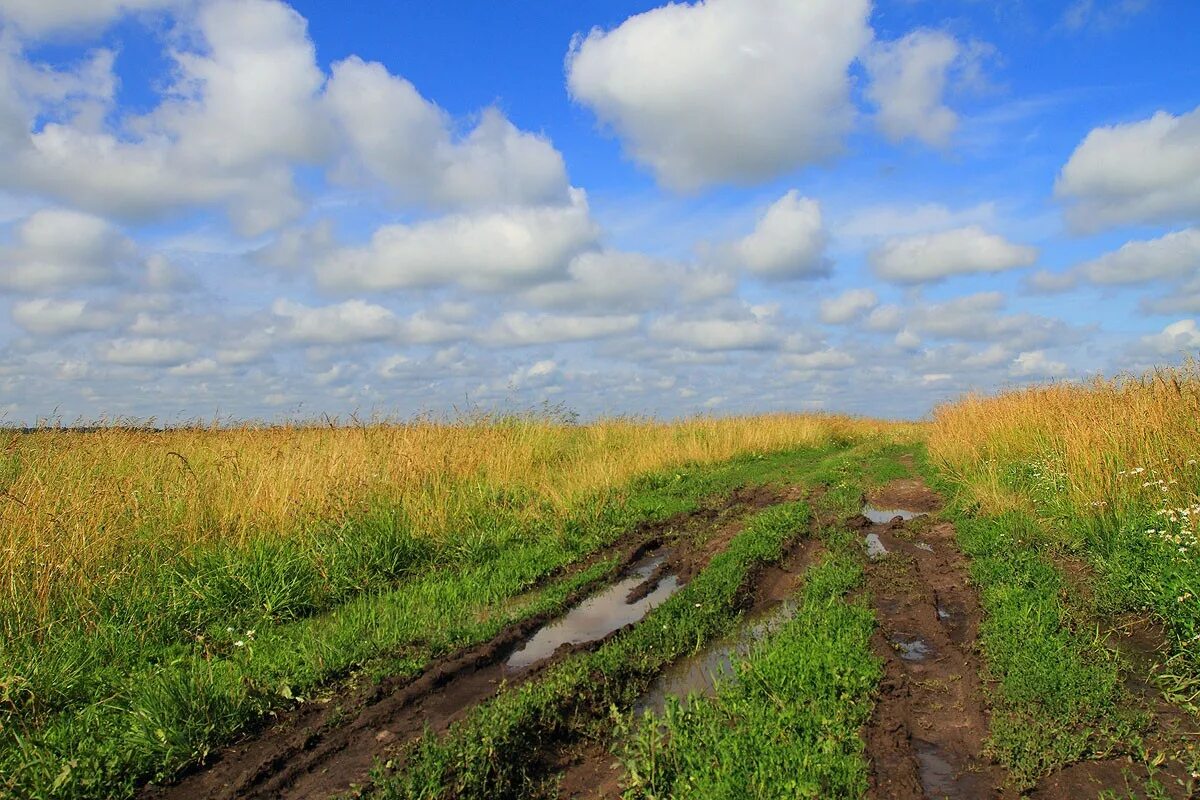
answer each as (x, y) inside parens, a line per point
(588, 770)
(623, 603)
(926, 735)
(318, 750)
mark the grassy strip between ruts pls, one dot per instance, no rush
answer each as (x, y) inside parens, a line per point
(1055, 689)
(493, 753)
(94, 711)
(788, 726)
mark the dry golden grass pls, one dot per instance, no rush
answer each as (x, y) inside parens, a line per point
(1090, 433)
(72, 504)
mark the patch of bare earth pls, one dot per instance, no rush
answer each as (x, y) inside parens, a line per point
(927, 732)
(322, 749)
(588, 770)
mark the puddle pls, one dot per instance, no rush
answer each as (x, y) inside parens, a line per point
(700, 673)
(882, 516)
(914, 650)
(928, 548)
(938, 777)
(875, 546)
(954, 619)
(596, 617)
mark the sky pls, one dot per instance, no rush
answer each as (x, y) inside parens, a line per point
(249, 209)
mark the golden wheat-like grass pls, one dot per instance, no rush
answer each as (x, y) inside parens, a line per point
(74, 504)
(1109, 437)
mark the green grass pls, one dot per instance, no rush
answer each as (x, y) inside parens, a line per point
(787, 726)
(1054, 687)
(492, 754)
(168, 667)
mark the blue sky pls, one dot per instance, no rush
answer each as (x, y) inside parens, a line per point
(260, 210)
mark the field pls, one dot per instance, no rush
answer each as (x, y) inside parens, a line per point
(526, 607)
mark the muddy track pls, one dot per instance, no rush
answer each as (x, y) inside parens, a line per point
(318, 750)
(588, 770)
(927, 732)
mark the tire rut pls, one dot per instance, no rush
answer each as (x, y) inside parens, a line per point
(927, 732)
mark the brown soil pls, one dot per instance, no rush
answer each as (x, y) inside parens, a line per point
(926, 735)
(318, 750)
(588, 770)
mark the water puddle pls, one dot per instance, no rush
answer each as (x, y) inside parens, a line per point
(598, 616)
(882, 516)
(699, 674)
(913, 650)
(938, 777)
(928, 548)
(876, 549)
(954, 619)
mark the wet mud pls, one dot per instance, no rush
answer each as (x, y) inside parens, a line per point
(927, 732)
(318, 750)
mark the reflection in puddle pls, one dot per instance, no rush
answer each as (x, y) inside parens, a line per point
(875, 546)
(915, 650)
(596, 617)
(882, 516)
(937, 776)
(700, 673)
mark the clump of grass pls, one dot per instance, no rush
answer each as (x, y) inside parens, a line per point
(487, 755)
(787, 726)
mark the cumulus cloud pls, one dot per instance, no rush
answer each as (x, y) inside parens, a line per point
(1184, 299)
(1145, 171)
(1047, 282)
(342, 323)
(398, 137)
(42, 17)
(50, 317)
(976, 317)
(60, 249)
(724, 90)
(1182, 337)
(908, 79)
(1035, 363)
(787, 242)
(723, 329)
(519, 328)
(848, 306)
(487, 250)
(1101, 13)
(933, 257)
(248, 106)
(1175, 255)
(828, 359)
(891, 221)
(615, 280)
(148, 352)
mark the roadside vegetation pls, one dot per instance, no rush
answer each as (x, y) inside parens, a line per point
(1079, 505)
(162, 590)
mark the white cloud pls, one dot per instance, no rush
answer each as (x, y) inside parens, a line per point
(342, 323)
(886, 318)
(848, 306)
(1036, 363)
(59, 249)
(1175, 255)
(890, 221)
(538, 373)
(1101, 13)
(922, 259)
(1182, 337)
(198, 368)
(485, 250)
(828, 359)
(1145, 171)
(49, 317)
(788, 241)
(613, 280)
(42, 17)
(908, 81)
(398, 137)
(1184, 299)
(518, 328)
(148, 352)
(974, 318)
(1047, 282)
(746, 332)
(907, 339)
(724, 90)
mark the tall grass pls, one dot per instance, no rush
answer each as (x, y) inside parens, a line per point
(78, 509)
(1107, 447)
